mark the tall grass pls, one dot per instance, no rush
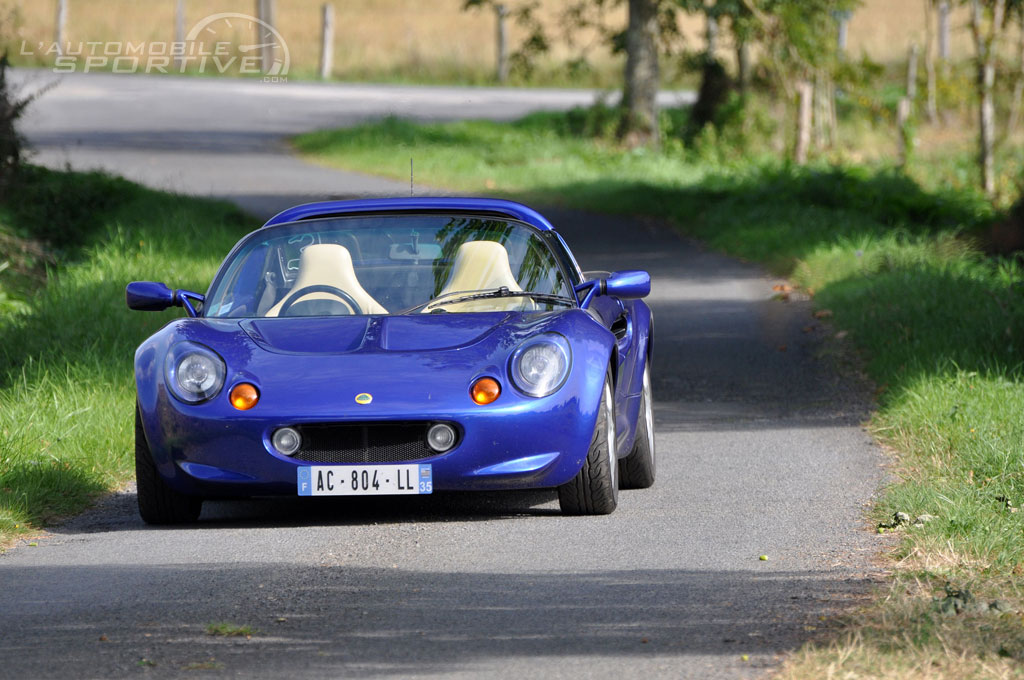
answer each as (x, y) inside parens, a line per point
(66, 386)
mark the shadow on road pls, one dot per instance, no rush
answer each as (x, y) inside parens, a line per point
(358, 622)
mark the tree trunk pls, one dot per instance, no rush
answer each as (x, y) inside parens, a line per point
(639, 124)
(1018, 88)
(985, 47)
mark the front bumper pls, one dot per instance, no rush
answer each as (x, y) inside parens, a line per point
(536, 443)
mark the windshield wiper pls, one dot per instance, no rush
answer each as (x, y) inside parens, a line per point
(503, 292)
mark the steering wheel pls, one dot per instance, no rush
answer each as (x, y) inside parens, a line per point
(319, 288)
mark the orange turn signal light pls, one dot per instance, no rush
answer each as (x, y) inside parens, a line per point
(485, 390)
(244, 396)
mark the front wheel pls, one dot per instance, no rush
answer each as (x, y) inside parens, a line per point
(159, 503)
(595, 488)
(637, 469)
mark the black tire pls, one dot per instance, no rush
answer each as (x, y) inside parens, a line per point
(637, 470)
(595, 489)
(159, 503)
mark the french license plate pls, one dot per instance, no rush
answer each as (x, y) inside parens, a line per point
(364, 480)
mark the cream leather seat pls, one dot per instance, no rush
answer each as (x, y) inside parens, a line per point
(328, 264)
(483, 265)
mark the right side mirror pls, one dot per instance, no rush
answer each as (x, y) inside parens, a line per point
(630, 284)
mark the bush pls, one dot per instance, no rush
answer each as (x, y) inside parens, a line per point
(12, 144)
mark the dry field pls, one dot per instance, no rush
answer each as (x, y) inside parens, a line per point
(407, 39)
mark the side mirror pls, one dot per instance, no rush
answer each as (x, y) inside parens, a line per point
(149, 296)
(628, 284)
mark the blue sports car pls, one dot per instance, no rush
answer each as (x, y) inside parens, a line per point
(396, 346)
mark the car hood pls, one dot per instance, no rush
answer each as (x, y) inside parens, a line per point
(313, 368)
(345, 334)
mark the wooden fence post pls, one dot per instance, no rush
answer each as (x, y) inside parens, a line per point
(501, 15)
(711, 35)
(912, 73)
(902, 120)
(931, 97)
(267, 13)
(179, 30)
(327, 42)
(944, 30)
(58, 29)
(805, 97)
(843, 18)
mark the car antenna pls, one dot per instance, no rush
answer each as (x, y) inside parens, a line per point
(410, 176)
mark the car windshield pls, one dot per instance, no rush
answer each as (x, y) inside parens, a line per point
(390, 264)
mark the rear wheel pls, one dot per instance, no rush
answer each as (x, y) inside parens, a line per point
(159, 503)
(595, 489)
(637, 470)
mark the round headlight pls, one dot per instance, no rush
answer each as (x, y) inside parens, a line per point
(441, 437)
(540, 365)
(194, 373)
(286, 440)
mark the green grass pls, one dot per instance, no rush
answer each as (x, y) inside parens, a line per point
(894, 257)
(66, 346)
(225, 629)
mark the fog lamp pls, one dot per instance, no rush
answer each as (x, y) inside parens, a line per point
(286, 440)
(441, 437)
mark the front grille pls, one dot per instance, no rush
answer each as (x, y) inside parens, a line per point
(364, 443)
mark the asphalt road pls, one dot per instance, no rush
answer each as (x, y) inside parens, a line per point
(759, 445)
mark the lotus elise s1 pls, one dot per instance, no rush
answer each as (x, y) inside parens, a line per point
(396, 346)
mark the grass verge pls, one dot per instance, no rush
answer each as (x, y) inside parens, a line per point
(66, 337)
(941, 327)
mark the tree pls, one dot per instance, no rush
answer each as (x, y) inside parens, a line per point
(639, 125)
(800, 55)
(12, 144)
(987, 27)
(1018, 88)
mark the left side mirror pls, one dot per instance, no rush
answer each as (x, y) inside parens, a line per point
(629, 284)
(149, 296)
